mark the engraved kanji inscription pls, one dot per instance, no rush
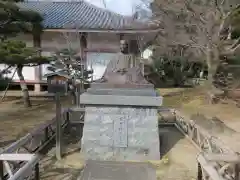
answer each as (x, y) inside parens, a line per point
(120, 132)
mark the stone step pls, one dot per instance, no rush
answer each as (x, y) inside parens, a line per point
(114, 100)
(108, 85)
(122, 91)
(99, 170)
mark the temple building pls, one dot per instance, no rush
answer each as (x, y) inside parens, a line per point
(96, 33)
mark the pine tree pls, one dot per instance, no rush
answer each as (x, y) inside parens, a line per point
(69, 64)
(14, 21)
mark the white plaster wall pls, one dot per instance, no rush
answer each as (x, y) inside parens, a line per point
(57, 41)
(53, 41)
(94, 41)
(108, 41)
(28, 73)
(44, 69)
(98, 62)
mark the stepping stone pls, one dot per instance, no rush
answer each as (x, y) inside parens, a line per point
(114, 170)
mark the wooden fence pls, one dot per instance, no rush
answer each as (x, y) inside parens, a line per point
(13, 162)
(215, 162)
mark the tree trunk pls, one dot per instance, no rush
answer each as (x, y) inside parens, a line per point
(25, 93)
(210, 80)
(212, 62)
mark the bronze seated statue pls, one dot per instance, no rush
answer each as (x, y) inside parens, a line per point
(127, 76)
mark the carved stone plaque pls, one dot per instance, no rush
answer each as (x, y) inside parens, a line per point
(120, 133)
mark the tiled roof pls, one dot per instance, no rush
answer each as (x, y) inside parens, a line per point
(81, 15)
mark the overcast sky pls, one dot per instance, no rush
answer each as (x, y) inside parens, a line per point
(124, 7)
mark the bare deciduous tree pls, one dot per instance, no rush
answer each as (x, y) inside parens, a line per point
(202, 25)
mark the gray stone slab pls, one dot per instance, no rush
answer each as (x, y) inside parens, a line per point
(108, 85)
(112, 170)
(113, 100)
(98, 142)
(122, 91)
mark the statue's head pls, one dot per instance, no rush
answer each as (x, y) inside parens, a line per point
(123, 46)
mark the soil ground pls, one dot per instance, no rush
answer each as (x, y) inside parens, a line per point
(16, 121)
(221, 120)
(178, 158)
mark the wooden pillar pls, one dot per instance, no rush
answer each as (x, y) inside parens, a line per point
(134, 50)
(37, 69)
(142, 67)
(83, 46)
(121, 37)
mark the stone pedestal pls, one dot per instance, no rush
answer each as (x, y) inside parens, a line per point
(123, 91)
(121, 119)
(121, 132)
(138, 139)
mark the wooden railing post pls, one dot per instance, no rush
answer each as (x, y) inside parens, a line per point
(1, 170)
(237, 172)
(46, 135)
(199, 173)
(37, 172)
(67, 117)
(67, 121)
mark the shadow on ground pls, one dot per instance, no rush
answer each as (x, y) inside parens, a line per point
(169, 136)
(51, 169)
(72, 138)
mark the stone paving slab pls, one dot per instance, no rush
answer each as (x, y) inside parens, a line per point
(147, 101)
(122, 91)
(113, 170)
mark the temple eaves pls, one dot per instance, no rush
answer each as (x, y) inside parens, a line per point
(84, 17)
(106, 31)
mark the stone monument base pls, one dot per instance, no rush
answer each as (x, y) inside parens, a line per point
(138, 139)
